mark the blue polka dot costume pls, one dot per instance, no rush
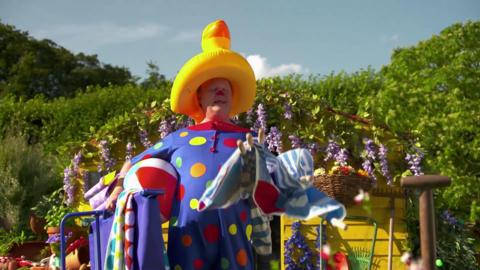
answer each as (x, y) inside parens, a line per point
(213, 239)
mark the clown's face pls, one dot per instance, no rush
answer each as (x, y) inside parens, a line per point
(215, 98)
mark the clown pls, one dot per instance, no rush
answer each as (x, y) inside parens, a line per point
(210, 88)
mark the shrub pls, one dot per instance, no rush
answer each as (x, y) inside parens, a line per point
(26, 173)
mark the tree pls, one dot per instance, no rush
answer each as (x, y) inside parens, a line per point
(432, 90)
(30, 67)
(155, 80)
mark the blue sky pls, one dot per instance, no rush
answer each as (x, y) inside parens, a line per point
(277, 37)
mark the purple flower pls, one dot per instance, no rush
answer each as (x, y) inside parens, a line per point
(76, 163)
(55, 238)
(341, 157)
(414, 161)
(287, 114)
(68, 186)
(370, 149)
(105, 156)
(298, 242)
(261, 118)
(295, 141)
(369, 158)
(274, 140)
(449, 218)
(166, 126)
(144, 138)
(332, 150)
(335, 152)
(382, 156)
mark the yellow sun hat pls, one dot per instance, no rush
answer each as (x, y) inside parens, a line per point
(216, 61)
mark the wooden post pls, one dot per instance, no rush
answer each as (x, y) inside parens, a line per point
(425, 183)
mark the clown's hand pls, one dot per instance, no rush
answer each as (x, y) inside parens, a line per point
(261, 140)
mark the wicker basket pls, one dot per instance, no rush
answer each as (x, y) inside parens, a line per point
(342, 188)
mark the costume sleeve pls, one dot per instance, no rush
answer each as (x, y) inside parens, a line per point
(162, 150)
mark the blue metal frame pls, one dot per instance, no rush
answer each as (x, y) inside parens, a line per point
(96, 232)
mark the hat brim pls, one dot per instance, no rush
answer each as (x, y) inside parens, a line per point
(218, 63)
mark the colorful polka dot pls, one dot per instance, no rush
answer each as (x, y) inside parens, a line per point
(211, 233)
(181, 192)
(248, 231)
(197, 263)
(232, 229)
(243, 216)
(198, 141)
(242, 259)
(230, 142)
(158, 145)
(198, 169)
(209, 183)
(178, 267)
(194, 204)
(187, 240)
(184, 134)
(225, 264)
(178, 162)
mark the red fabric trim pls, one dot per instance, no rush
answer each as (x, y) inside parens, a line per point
(218, 125)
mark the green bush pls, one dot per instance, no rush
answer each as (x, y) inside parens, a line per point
(26, 173)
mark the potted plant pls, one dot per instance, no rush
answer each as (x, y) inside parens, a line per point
(57, 210)
(38, 213)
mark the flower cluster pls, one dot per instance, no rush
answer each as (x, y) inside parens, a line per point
(166, 126)
(346, 170)
(369, 158)
(70, 173)
(449, 218)
(105, 156)
(414, 161)
(55, 238)
(295, 141)
(144, 138)
(274, 140)
(333, 151)
(297, 242)
(68, 186)
(261, 118)
(382, 156)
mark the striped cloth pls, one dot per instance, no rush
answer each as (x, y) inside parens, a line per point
(119, 255)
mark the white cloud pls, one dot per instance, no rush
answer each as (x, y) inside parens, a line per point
(262, 69)
(86, 37)
(391, 39)
(187, 36)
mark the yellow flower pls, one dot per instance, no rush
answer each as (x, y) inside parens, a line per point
(319, 171)
(362, 172)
